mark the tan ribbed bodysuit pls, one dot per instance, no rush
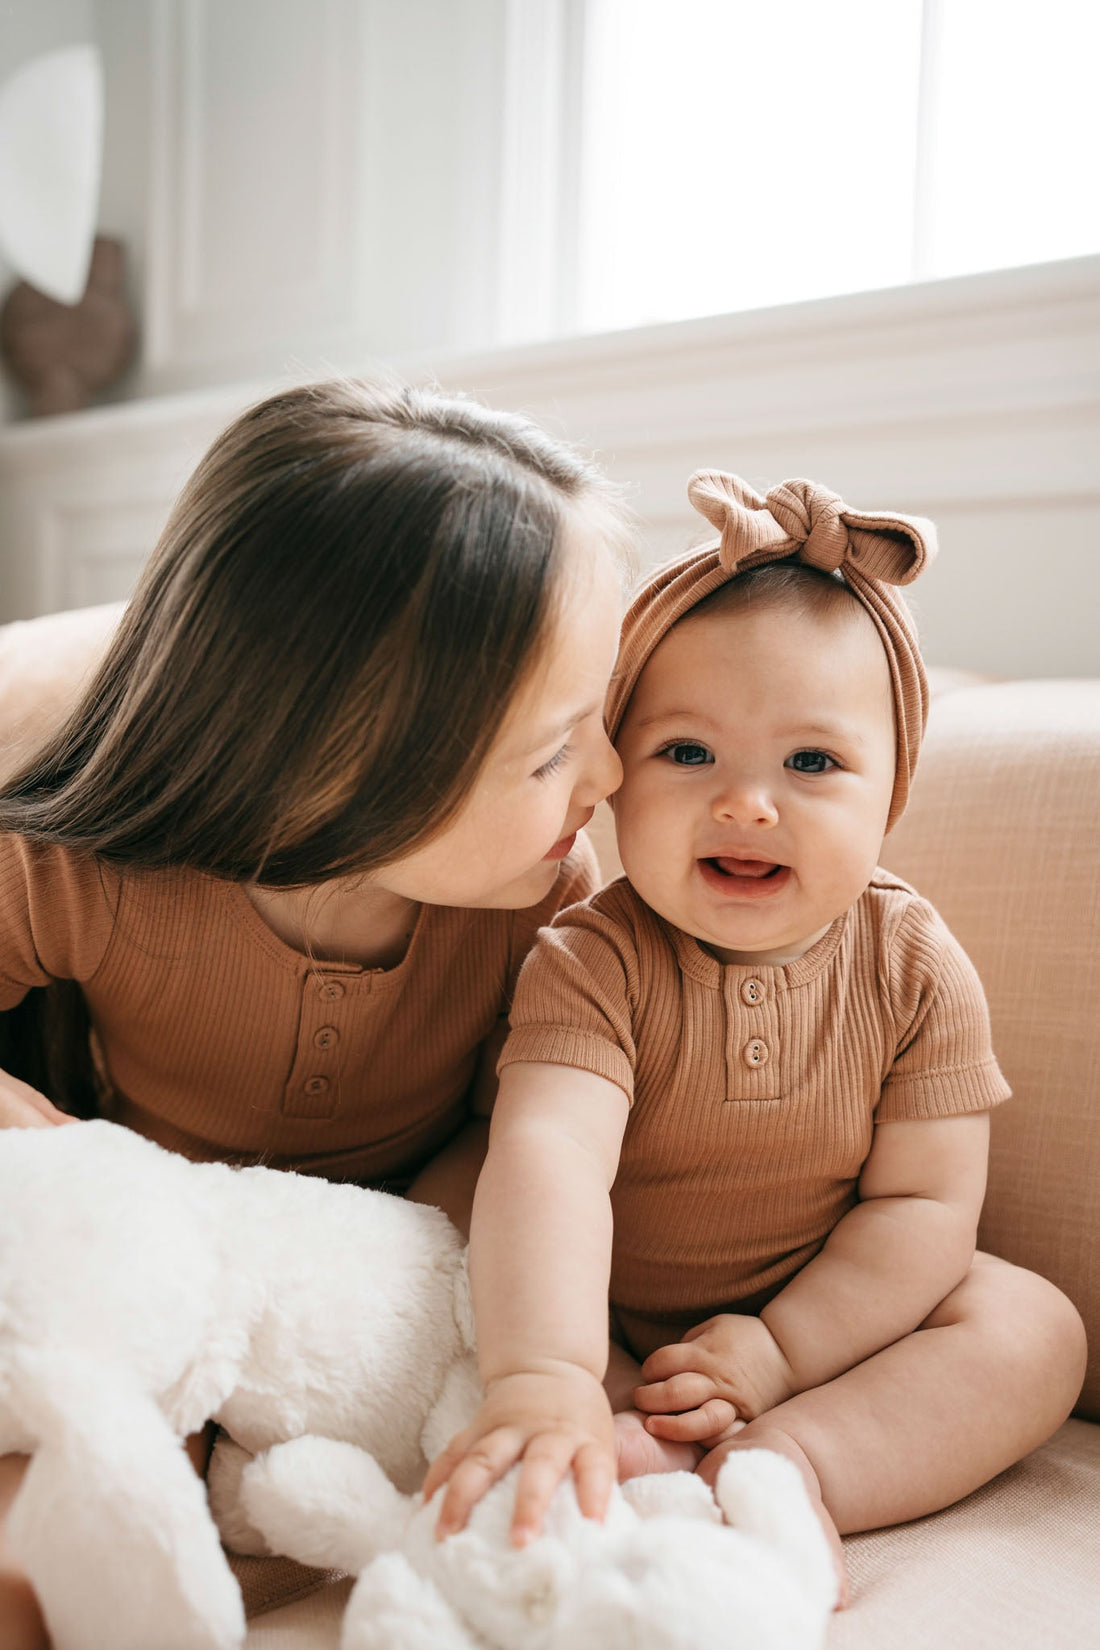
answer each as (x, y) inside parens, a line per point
(754, 1091)
(221, 1041)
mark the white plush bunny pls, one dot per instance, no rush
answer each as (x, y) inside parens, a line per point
(142, 1295)
(662, 1573)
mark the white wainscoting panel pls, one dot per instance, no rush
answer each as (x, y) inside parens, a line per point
(975, 401)
(255, 177)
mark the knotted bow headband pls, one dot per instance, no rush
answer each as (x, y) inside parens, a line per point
(802, 521)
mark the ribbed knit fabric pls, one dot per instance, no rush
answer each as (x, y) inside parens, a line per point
(755, 1091)
(222, 1042)
(812, 524)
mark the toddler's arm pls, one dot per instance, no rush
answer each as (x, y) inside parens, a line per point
(540, 1261)
(891, 1259)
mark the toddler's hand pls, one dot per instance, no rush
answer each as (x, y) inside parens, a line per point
(22, 1107)
(552, 1421)
(723, 1373)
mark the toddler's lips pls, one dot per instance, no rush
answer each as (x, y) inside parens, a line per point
(560, 849)
(565, 844)
(744, 878)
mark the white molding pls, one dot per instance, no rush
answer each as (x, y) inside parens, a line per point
(974, 400)
(197, 314)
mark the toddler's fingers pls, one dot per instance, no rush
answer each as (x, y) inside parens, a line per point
(716, 1416)
(681, 1392)
(484, 1462)
(594, 1473)
(670, 1360)
(543, 1468)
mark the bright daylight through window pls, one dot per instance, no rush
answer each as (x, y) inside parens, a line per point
(737, 154)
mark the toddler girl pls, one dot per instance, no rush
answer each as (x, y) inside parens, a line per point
(748, 1085)
(290, 849)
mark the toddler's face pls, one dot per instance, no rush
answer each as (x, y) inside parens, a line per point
(549, 766)
(758, 757)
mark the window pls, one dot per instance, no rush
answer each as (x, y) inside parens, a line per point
(743, 153)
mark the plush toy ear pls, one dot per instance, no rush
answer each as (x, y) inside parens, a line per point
(324, 1503)
(762, 1494)
(111, 1525)
(393, 1608)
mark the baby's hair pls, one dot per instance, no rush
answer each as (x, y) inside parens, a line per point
(325, 642)
(787, 584)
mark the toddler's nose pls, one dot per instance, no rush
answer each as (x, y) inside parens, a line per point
(603, 773)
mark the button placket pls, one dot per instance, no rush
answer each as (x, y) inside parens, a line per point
(752, 1038)
(313, 1088)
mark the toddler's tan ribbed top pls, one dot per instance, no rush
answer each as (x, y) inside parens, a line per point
(221, 1041)
(755, 1091)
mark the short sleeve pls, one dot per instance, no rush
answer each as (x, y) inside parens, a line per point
(56, 917)
(944, 1065)
(575, 999)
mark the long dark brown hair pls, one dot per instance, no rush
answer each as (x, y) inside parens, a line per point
(324, 643)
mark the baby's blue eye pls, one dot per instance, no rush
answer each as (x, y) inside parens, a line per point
(687, 755)
(810, 762)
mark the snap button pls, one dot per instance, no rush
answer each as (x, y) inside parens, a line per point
(330, 990)
(755, 1053)
(752, 991)
(316, 1085)
(327, 1037)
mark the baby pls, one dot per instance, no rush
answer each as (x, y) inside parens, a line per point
(747, 1088)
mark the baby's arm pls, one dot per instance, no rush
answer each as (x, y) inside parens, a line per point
(540, 1261)
(891, 1259)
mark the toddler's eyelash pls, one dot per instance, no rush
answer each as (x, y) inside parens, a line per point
(553, 764)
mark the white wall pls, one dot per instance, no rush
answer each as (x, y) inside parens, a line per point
(318, 185)
(975, 401)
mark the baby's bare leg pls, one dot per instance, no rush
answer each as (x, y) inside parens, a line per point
(21, 1624)
(639, 1451)
(988, 1376)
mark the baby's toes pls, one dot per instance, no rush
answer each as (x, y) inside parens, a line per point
(639, 1452)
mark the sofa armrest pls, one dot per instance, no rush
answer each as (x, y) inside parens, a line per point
(43, 665)
(1002, 835)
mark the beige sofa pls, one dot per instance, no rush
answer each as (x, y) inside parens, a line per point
(1003, 833)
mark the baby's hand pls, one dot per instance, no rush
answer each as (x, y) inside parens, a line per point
(552, 1421)
(704, 1388)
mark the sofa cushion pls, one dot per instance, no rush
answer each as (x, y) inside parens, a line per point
(1002, 835)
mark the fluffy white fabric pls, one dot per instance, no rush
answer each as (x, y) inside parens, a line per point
(142, 1295)
(662, 1573)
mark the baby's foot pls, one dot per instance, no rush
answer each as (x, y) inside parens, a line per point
(640, 1452)
(759, 1436)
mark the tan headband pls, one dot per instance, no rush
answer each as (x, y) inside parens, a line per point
(802, 520)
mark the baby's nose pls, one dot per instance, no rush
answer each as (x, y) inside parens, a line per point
(745, 804)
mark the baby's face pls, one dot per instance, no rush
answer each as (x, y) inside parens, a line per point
(758, 757)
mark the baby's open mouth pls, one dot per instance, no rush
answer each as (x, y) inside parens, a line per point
(744, 878)
(746, 867)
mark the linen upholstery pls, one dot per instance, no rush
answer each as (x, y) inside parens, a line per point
(1013, 1566)
(1002, 834)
